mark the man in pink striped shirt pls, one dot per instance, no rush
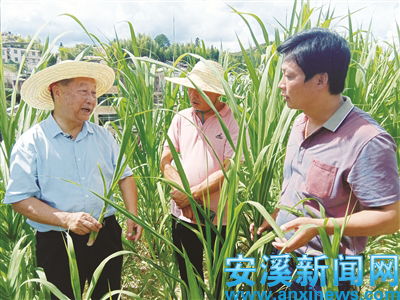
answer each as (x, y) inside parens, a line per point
(197, 135)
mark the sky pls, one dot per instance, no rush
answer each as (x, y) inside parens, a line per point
(181, 21)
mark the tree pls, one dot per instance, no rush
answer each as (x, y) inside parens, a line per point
(214, 53)
(197, 42)
(69, 53)
(162, 40)
(52, 60)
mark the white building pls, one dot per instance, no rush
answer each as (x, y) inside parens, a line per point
(13, 52)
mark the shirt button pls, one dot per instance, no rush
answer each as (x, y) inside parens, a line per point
(86, 196)
(83, 178)
(79, 159)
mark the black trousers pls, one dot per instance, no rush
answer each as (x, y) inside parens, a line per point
(184, 238)
(52, 256)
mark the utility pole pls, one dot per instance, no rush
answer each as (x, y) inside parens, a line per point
(173, 37)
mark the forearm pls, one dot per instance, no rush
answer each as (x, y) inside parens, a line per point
(210, 185)
(167, 169)
(40, 212)
(369, 222)
(129, 194)
(172, 174)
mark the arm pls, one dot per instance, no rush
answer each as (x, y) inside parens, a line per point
(201, 191)
(374, 181)
(172, 174)
(211, 184)
(167, 169)
(38, 211)
(129, 195)
(369, 222)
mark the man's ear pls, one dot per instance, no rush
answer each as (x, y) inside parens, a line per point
(322, 80)
(56, 90)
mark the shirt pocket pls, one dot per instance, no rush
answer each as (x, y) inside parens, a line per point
(320, 179)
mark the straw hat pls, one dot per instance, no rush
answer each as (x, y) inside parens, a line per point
(35, 90)
(206, 75)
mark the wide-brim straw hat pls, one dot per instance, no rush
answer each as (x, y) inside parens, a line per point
(35, 90)
(206, 75)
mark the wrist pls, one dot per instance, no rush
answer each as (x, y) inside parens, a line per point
(327, 224)
(63, 218)
(195, 193)
(133, 211)
(131, 205)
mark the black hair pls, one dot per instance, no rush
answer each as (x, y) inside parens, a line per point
(319, 51)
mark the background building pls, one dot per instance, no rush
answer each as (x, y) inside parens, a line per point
(12, 53)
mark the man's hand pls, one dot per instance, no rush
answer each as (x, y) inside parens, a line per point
(133, 231)
(305, 234)
(180, 198)
(81, 223)
(264, 226)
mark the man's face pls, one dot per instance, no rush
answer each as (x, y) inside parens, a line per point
(77, 99)
(198, 103)
(297, 93)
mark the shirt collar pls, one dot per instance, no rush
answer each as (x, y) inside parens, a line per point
(88, 126)
(340, 114)
(86, 129)
(222, 112)
(54, 129)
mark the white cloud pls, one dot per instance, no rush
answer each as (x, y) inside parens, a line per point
(212, 21)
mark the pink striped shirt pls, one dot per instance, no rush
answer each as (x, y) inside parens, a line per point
(202, 147)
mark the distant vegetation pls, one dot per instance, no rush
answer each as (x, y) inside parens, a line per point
(158, 48)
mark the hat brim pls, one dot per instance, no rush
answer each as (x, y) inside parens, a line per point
(35, 90)
(184, 81)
